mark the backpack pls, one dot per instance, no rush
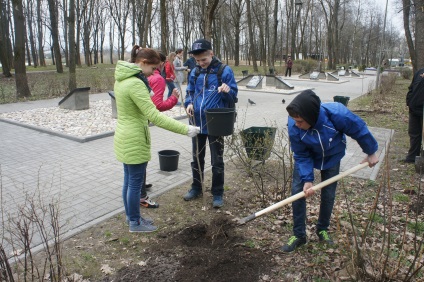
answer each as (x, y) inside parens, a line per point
(232, 102)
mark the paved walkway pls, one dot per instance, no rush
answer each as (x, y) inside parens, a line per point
(86, 179)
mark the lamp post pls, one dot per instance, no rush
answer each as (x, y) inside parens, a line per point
(295, 3)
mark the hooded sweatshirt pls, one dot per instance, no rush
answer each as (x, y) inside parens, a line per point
(323, 145)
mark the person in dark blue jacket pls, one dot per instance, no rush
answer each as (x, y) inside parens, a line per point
(317, 139)
(205, 91)
(190, 64)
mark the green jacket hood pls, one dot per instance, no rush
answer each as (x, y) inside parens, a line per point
(125, 70)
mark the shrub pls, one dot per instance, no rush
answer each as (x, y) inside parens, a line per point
(305, 66)
(406, 73)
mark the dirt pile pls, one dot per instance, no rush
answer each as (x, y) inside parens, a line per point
(200, 252)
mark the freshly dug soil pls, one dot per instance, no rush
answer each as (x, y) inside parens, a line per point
(200, 252)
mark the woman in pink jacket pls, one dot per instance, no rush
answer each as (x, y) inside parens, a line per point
(158, 85)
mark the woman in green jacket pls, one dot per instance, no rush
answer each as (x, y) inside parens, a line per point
(132, 135)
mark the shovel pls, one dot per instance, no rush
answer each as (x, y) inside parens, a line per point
(301, 194)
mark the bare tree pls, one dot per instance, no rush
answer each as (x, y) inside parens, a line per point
(416, 49)
(4, 39)
(119, 10)
(22, 89)
(55, 34)
(30, 20)
(236, 12)
(251, 38)
(164, 27)
(210, 12)
(72, 50)
(40, 36)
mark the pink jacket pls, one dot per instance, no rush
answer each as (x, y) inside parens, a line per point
(158, 85)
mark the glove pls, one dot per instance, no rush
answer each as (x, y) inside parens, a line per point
(193, 131)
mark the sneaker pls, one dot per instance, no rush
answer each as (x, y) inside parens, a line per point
(293, 244)
(217, 202)
(324, 237)
(192, 194)
(141, 227)
(147, 203)
(148, 186)
(144, 220)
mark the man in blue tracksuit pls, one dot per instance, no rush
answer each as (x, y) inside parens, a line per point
(317, 139)
(209, 86)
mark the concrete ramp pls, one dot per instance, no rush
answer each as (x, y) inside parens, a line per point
(353, 73)
(77, 99)
(304, 76)
(332, 77)
(314, 75)
(255, 82)
(245, 80)
(280, 83)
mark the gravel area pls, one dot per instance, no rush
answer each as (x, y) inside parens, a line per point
(95, 120)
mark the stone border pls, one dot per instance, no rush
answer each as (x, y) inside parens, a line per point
(67, 136)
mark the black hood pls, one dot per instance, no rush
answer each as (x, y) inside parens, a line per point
(307, 105)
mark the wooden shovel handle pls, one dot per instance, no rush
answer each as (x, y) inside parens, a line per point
(302, 194)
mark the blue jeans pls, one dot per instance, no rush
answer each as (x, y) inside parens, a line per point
(133, 179)
(171, 87)
(216, 146)
(328, 195)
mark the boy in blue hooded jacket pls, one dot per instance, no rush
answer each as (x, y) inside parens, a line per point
(206, 90)
(317, 139)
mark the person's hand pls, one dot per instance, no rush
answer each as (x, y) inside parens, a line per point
(193, 131)
(176, 93)
(224, 88)
(190, 110)
(371, 159)
(307, 189)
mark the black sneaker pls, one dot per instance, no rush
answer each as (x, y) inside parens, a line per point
(324, 237)
(293, 244)
(148, 187)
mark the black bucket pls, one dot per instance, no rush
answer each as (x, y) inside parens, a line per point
(168, 160)
(342, 99)
(220, 121)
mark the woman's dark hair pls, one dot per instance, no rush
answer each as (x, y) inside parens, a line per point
(162, 57)
(149, 56)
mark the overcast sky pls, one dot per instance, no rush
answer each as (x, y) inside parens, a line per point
(394, 13)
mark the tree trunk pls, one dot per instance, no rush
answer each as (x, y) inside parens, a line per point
(275, 35)
(40, 37)
(4, 37)
(147, 22)
(65, 31)
(22, 89)
(72, 52)
(163, 26)
(419, 35)
(251, 39)
(210, 12)
(55, 34)
(30, 18)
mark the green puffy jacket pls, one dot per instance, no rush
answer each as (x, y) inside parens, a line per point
(135, 109)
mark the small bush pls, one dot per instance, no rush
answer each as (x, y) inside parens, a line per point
(362, 67)
(305, 66)
(406, 73)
